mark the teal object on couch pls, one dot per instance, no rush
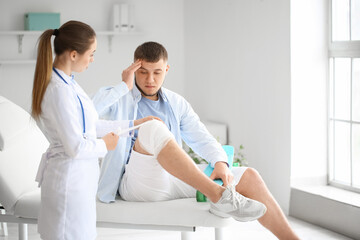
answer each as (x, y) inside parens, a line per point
(41, 21)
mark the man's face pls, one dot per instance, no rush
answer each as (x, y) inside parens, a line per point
(150, 77)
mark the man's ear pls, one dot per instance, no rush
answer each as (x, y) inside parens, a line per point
(167, 68)
(73, 55)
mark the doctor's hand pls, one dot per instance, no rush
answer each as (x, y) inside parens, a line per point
(128, 74)
(222, 171)
(110, 140)
(145, 119)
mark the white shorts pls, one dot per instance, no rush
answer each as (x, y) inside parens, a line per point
(146, 180)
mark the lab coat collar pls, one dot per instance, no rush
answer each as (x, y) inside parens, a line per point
(68, 79)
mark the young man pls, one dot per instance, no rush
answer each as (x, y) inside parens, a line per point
(146, 176)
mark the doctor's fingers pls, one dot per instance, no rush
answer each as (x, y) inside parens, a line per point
(114, 136)
(111, 140)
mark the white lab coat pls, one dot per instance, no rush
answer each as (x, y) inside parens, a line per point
(69, 170)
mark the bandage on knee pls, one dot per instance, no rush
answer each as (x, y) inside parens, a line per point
(153, 136)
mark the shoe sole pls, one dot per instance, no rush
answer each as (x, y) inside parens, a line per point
(243, 219)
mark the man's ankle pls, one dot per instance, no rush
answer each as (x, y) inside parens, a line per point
(218, 193)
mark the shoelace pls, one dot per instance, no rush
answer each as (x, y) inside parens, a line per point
(236, 197)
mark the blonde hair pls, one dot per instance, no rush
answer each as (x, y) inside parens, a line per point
(72, 35)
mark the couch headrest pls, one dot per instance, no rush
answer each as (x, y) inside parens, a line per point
(21, 146)
(13, 121)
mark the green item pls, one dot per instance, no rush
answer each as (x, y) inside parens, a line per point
(200, 197)
(236, 164)
(41, 21)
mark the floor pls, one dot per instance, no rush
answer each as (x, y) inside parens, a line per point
(249, 231)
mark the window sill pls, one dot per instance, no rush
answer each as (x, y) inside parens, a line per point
(326, 206)
(330, 192)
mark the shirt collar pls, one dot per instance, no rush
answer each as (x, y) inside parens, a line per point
(137, 94)
(162, 95)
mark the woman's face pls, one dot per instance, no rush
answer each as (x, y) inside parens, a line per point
(82, 61)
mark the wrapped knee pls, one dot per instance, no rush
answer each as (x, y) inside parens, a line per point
(153, 136)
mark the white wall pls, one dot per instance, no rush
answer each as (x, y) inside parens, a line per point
(158, 20)
(238, 72)
(309, 64)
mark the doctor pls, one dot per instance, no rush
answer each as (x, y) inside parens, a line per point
(69, 169)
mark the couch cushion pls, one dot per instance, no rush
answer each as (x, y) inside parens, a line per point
(28, 205)
(180, 212)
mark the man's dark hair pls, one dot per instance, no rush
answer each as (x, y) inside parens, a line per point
(151, 52)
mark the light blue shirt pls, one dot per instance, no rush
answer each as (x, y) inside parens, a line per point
(118, 103)
(158, 108)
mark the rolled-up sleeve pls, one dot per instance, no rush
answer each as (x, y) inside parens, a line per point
(196, 136)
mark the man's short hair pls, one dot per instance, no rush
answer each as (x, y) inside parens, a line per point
(151, 52)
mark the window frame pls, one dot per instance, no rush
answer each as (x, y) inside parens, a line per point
(340, 49)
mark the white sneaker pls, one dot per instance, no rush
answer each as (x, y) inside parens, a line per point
(233, 204)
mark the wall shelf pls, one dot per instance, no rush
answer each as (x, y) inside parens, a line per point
(20, 35)
(99, 33)
(110, 34)
(9, 62)
(113, 33)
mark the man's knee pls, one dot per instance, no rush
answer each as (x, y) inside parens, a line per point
(251, 176)
(252, 173)
(153, 136)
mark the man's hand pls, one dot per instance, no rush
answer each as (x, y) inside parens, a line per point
(222, 171)
(128, 74)
(145, 119)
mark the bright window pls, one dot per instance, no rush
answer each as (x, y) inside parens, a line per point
(344, 95)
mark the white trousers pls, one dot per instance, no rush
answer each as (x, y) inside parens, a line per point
(146, 180)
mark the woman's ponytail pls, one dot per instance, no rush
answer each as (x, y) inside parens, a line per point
(43, 71)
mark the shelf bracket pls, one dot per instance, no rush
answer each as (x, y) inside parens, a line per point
(110, 38)
(20, 42)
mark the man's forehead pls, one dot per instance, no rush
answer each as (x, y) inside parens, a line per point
(153, 66)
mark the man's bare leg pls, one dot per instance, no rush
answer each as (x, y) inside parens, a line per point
(175, 161)
(252, 186)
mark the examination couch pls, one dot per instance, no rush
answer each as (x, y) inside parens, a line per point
(21, 147)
